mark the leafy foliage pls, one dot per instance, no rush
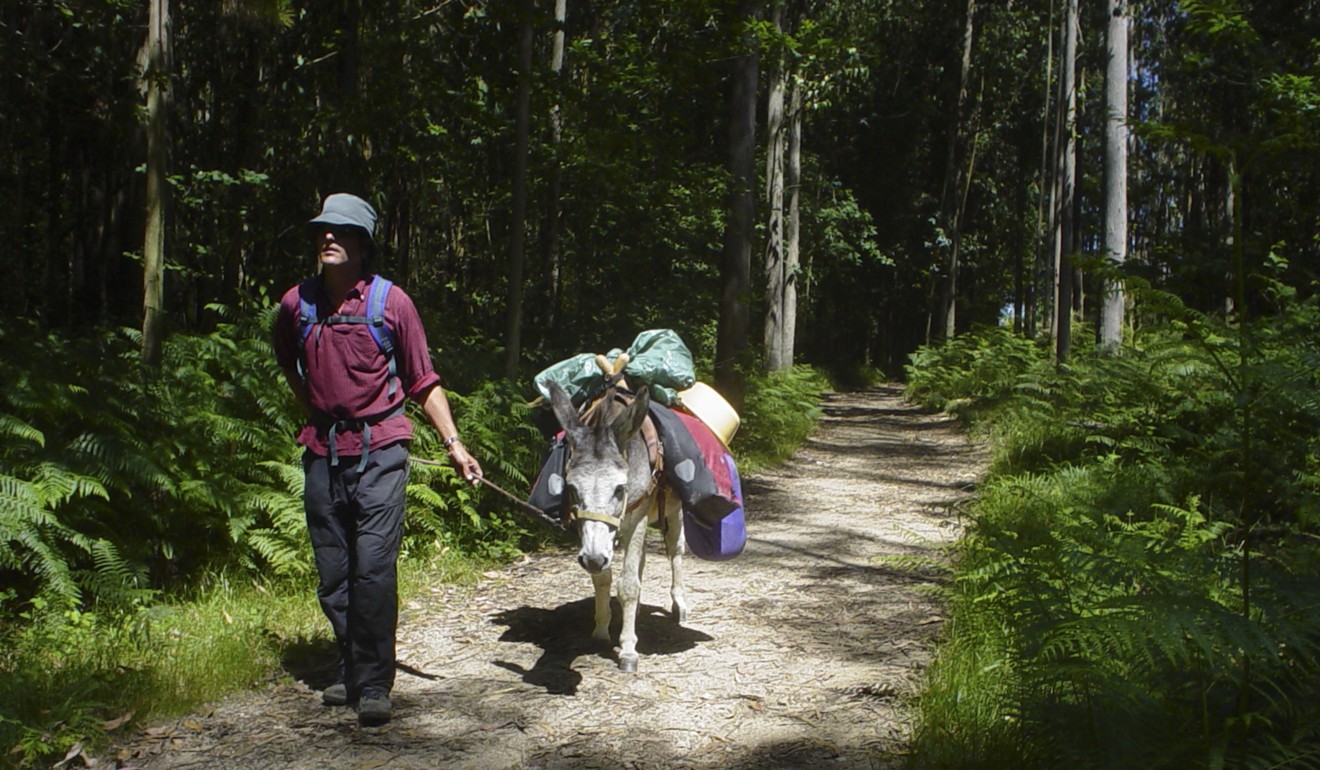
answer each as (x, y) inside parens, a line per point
(780, 409)
(109, 490)
(449, 512)
(1132, 588)
(120, 487)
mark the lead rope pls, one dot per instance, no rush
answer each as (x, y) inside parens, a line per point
(523, 505)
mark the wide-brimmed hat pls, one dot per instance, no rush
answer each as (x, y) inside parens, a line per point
(347, 209)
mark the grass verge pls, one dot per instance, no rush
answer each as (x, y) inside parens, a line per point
(70, 678)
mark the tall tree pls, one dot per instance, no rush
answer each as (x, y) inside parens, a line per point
(1047, 208)
(951, 198)
(735, 267)
(1066, 165)
(775, 156)
(793, 221)
(159, 56)
(1116, 153)
(518, 224)
(550, 232)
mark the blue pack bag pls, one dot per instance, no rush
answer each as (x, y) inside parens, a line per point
(724, 539)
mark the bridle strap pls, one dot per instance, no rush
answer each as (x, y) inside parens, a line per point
(577, 514)
(613, 522)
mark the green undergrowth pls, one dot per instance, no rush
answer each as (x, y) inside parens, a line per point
(84, 677)
(125, 491)
(153, 548)
(1137, 586)
(780, 410)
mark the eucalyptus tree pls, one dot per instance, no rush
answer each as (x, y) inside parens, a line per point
(952, 197)
(816, 64)
(550, 244)
(158, 54)
(518, 217)
(775, 157)
(1116, 153)
(739, 231)
(1065, 166)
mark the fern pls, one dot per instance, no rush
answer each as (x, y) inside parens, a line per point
(1103, 572)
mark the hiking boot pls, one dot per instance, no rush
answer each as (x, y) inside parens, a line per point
(374, 708)
(335, 695)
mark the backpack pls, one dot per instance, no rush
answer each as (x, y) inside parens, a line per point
(374, 319)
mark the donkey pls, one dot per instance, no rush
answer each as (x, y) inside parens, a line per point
(615, 487)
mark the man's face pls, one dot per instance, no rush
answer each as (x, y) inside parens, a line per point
(340, 245)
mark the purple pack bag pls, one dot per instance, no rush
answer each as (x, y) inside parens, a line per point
(726, 538)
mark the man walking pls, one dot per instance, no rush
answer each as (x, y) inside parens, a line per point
(352, 348)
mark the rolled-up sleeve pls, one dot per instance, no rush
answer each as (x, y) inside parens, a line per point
(411, 353)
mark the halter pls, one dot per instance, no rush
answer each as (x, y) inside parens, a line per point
(613, 522)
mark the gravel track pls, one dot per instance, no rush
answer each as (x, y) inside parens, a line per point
(803, 652)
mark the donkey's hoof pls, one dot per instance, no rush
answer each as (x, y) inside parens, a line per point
(628, 664)
(680, 614)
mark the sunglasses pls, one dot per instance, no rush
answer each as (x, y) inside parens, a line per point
(338, 232)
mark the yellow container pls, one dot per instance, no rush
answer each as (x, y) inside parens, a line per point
(706, 405)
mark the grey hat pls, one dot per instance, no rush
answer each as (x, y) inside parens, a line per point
(346, 209)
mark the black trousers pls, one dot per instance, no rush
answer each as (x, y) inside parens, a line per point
(356, 522)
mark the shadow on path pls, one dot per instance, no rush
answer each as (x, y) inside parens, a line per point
(564, 635)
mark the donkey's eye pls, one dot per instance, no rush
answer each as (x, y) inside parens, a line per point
(618, 492)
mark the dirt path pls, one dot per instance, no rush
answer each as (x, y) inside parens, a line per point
(799, 653)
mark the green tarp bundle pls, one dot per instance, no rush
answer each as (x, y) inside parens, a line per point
(657, 359)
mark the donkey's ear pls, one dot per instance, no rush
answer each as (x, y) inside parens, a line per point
(563, 407)
(630, 420)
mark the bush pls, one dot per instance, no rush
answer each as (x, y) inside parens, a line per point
(779, 411)
(1127, 592)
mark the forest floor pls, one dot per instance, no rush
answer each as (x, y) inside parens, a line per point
(802, 652)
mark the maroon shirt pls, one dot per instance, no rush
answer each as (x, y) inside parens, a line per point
(347, 376)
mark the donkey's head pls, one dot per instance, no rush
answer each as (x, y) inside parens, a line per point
(598, 476)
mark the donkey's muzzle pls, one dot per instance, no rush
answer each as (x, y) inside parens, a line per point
(593, 563)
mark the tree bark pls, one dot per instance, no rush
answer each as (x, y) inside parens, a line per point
(735, 268)
(1041, 286)
(550, 234)
(793, 223)
(951, 197)
(518, 219)
(1067, 158)
(1116, 176)
(157, 74)
(774, 193)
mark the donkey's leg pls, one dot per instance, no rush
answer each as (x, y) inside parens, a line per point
(674, 548)
(632, 536)
(602, 581)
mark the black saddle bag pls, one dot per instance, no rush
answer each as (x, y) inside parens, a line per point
(548, 491)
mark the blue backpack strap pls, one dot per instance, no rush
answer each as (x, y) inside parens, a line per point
(307, 318)
(374, 319)
(380, 331)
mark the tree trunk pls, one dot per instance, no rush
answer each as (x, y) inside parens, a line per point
(774, 193)
(517, 225)
(1063, 303)
(1041, 285)
(735, 268)
(951, 197)
(793, 222)
(550, 233)
(157, 74)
